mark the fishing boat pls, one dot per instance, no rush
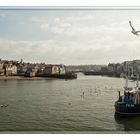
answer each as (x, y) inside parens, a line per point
(128, 104)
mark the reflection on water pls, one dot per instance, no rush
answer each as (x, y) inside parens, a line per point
(83, 104)
(131, 123)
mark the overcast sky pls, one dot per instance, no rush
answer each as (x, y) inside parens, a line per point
(69, 36)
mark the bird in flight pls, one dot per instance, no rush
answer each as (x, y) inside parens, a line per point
(133, 30)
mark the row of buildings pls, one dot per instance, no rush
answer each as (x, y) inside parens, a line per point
(20, 68)
(119, 69)
(131, 68)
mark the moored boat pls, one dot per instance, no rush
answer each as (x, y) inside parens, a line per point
(128, 104)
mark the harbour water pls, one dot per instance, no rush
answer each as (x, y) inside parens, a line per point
(83, 104)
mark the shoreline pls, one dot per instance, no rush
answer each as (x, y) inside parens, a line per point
(24, 78)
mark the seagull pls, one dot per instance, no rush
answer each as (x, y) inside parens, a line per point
(133, 30)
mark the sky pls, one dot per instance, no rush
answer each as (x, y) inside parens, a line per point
(70, 37)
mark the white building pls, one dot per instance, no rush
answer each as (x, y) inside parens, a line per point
(14, 70)
(55, 69)
(11, 70)
(58, 69)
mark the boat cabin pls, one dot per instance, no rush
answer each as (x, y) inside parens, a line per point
(131, 96)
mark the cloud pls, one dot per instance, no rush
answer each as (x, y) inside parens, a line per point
(45, 26)
(67, 24)
(72, 37)
(51, 51)
(83, 26)
(29, 50)
(2, 15)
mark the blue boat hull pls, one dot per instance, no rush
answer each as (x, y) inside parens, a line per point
(123, 109)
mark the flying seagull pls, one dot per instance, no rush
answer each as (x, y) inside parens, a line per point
(133, 30)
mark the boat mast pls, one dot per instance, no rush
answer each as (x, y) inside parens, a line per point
(126, 77)
(132, 72)
(126, 81)
(137, 84)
